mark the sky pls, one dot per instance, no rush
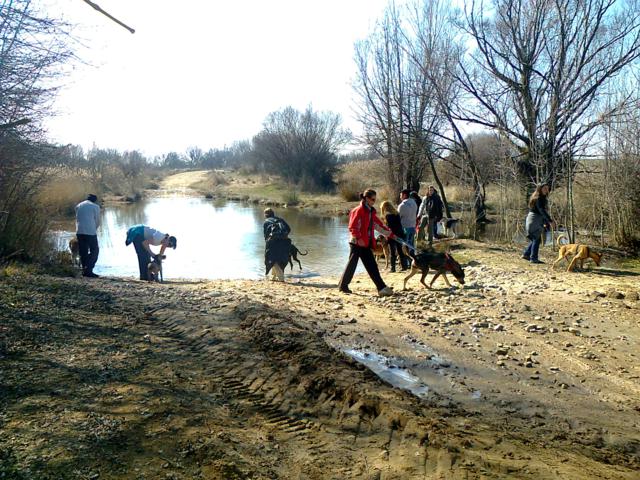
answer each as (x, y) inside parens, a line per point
(204, 73)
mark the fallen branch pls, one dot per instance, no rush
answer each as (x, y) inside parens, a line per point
(97, 7)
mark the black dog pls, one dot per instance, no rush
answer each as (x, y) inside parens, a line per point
(442, 263)
(293, 255)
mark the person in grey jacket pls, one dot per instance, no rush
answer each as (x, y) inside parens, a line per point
(408, 211)
(535, 222)
(87, 223)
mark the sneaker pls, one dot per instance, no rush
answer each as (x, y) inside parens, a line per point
(536, 261)
(345, 290)
(524, 257)
(393, 270)
(385, 292)
(90, 275)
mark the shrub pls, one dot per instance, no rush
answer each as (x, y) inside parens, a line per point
(291, 198)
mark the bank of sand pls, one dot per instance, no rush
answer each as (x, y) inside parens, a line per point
(521, 374)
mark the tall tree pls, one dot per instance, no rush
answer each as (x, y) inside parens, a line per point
(541, 72)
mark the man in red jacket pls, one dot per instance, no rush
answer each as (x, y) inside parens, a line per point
(362, 224)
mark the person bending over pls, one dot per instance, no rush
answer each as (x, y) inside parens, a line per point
(142, 238)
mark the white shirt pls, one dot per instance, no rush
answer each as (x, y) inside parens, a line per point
(408, 211)
(87, 218)
(153, 236)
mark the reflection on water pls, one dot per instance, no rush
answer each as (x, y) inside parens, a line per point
(216, 239)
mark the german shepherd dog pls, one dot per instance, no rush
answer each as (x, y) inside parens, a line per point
(382, 249)
(74, 248)
(293, 255)
(579, 252)
(154, 269)
(442, 263)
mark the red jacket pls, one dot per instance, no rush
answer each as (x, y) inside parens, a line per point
(359, 226)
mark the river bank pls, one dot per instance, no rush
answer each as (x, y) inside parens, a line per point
(521, 374)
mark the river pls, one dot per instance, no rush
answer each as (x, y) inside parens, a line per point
(217, 239)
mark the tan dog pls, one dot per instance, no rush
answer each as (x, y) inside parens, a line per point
(579, 253)
(74, 248)
(382, 249)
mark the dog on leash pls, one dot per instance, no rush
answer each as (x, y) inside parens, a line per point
(382, 250)
(74, 248)
(442, 263)
(293, 255)
(154, 269)
(579, 252)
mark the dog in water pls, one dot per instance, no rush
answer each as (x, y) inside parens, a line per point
(154, 269)
(293, 255)
(579, 252)
(74, 248)
(382, 249)
(442, 263)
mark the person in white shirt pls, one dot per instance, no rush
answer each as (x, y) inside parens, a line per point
(87, 223)
(408, 211)
(142, 238)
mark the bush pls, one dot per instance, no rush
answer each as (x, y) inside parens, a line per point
(356, 177)
(291, 198)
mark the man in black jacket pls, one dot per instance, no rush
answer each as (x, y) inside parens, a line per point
(430, 214)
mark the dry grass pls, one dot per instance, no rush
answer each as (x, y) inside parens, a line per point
(356, 177)
(64, 191)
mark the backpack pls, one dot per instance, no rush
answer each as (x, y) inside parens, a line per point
(277, 228)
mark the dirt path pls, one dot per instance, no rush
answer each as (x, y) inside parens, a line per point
(522, 374)
(184, 181)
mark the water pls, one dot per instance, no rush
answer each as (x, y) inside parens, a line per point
(216, 239)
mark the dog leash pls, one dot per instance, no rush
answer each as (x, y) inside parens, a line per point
(402, 242)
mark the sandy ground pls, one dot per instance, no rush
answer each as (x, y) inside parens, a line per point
(524, 373)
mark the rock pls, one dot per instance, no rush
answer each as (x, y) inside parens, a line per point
(531, 327)
(597, 294)
(353, 320)
(554, 369)
(534, 377)
(615, 294)
(500, 363)
(537, 318)
(632, 295)
(575, 331)
(553, 330)
(499, 328)
(501, 350)
(564, 386)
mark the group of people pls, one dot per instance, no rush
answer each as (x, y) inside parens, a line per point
(142, 237)
(413, 216)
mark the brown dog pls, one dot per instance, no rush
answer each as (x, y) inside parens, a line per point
(154, 269)
(382, 249)
(74, 248)
(442, 263)
(579, 252)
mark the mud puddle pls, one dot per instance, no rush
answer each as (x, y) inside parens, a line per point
(390, 370)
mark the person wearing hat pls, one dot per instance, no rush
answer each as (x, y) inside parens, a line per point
(87, 223)
(142, 238)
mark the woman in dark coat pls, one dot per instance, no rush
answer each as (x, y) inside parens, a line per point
(535, 222)
(392, 220)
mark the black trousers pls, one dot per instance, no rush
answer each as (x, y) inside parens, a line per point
(396, 251)
(143, 257)
(88, 249)
(368, 260)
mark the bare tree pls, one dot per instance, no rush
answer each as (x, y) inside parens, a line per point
(302, 147)
(33, 48)
(542, 71)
